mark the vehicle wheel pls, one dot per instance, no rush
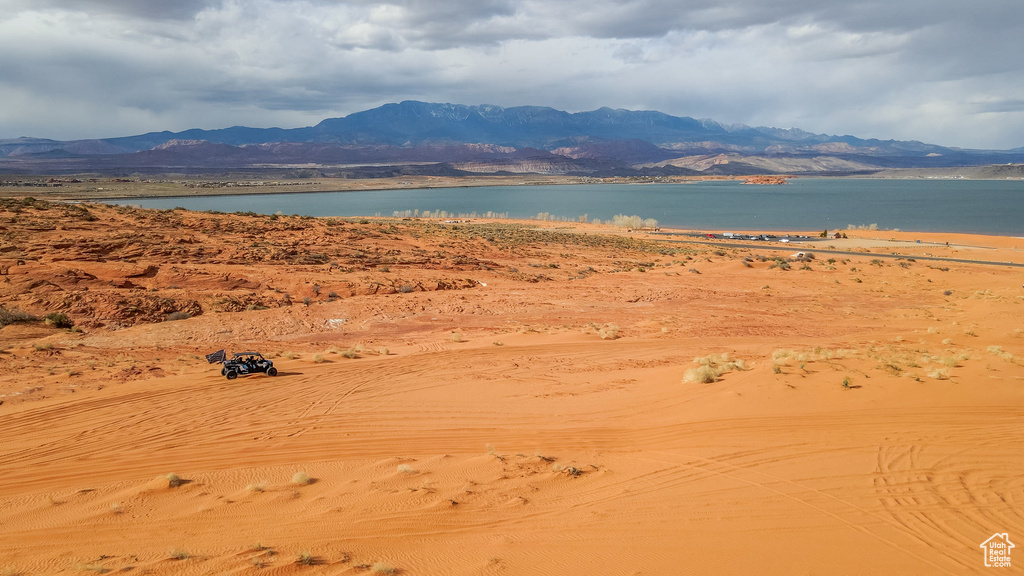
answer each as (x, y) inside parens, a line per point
(231, 374)
(223, 371)
(271, 371)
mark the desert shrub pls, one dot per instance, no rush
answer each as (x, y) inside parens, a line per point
(609, 331)
(565, 469)
(711, 367)
(301, 478)
(14, 316)
(406, 469)
(306, 559)
(350, 353)
(781, 353)
(952, 361)
(456, 337)
(382, 568)
(939, 374)
(998, 351)
(179, 554)
(173, 480)
(702, 375)
(623, 221)
(58, 320)
(892, 368)
(319, 358)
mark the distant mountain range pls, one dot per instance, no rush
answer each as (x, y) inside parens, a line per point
(451, 139)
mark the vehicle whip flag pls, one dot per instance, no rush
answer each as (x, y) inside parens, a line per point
(217, 356)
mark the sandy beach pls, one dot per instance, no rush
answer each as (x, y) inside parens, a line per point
(501, 397)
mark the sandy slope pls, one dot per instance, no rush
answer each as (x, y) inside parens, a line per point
(526, 443)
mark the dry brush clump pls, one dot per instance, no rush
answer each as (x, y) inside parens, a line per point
(782, 356)
(711, 368)
(14, 316)
(383, 568)
(998, 351)
(609, 331)
(633, 222)
(58, 320)
(568, 470)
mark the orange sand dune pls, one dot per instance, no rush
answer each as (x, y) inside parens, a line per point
(522, 418)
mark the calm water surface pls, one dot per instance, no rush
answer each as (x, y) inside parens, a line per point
(971, 206)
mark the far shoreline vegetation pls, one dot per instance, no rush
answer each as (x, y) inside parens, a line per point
(101, 187)
(98, 188)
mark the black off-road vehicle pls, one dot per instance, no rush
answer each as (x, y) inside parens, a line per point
(247, 363)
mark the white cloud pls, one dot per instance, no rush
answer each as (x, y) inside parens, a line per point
(939, 71)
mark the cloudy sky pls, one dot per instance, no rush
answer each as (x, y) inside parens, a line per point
(946, 72)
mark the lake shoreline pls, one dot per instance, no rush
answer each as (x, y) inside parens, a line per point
(718, 205)
(100, 189)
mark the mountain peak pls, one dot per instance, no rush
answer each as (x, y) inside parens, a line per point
(417, 131)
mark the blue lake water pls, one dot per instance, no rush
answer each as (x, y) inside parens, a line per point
(970, 206)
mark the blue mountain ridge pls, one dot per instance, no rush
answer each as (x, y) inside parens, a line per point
(601, 140)
(415, 123)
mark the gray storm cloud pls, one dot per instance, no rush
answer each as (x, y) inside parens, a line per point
(943, 72)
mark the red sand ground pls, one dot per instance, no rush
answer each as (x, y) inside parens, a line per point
(517, 403)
